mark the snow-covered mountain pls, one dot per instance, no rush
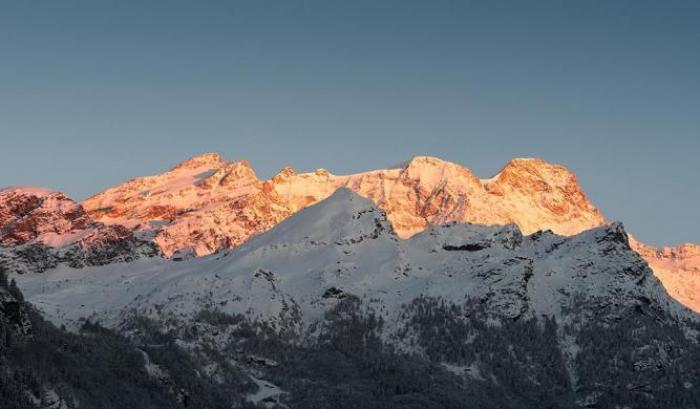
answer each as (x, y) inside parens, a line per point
(344, 246)
(40, 229)
(206, 204)
(30, 214)
(459, 295)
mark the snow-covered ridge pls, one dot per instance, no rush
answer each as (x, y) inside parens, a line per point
(36, 190)
(343, 247)
(191, 216)
(207, 204)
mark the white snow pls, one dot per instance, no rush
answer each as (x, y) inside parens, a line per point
(345, 242)
(265, 390)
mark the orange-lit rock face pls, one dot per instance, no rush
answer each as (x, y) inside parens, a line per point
(428, 191)
(206, 204)
(200, 206)
(32, 214)
(678, 268)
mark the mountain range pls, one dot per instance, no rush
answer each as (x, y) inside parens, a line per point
(205, 204)
(419, 286)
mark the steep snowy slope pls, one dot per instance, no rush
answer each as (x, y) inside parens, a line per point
(345, 246)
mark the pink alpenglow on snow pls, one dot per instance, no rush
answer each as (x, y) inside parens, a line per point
(206, 204)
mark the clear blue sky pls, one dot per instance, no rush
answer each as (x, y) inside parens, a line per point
(95, 92)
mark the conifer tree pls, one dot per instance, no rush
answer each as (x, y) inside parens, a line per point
(15, 291)
(3, 278)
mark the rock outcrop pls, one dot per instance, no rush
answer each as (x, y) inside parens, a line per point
(40, 229)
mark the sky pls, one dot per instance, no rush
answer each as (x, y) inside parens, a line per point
(96, 92)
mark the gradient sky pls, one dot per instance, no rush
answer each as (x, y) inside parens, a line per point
(95, 92)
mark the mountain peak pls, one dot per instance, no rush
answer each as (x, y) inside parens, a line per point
(419, 162)
(27, 190)
(209, 159)
(35, 214)
(347, 196)
(614, 232)
(232, 175)
(530, 167)
(344, 217)
(283, 174)
(433, 172)
(526, 160)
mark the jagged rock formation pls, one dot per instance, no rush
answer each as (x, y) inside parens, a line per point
(38, 215)
(206, 204)
(40, 229)
(198, 207)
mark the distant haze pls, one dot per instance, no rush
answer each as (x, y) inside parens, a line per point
(94, 93)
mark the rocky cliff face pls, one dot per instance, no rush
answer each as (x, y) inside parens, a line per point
(678, 268)
(39, 215)
(40, 229)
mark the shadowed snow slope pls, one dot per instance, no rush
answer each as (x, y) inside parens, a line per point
(345, 247)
